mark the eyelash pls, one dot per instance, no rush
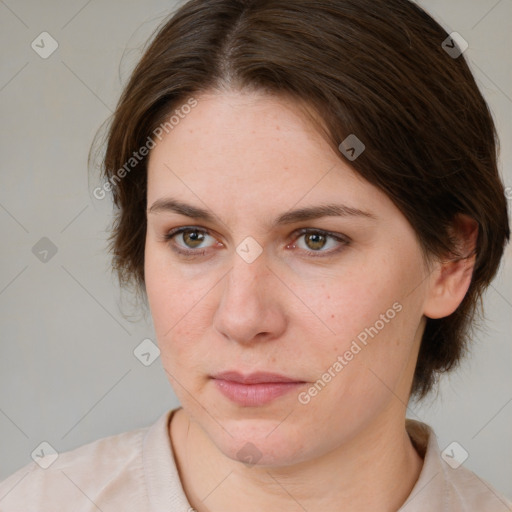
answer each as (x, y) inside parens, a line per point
(344, 240)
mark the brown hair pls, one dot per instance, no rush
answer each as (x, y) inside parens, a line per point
(373, 68)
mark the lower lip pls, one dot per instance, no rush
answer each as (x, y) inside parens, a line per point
(251, 395)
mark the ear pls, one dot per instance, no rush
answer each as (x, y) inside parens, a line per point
(450, 280)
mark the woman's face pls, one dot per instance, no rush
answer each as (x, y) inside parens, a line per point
(338, 309)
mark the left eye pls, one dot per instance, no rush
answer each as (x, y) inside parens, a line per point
(320, 241)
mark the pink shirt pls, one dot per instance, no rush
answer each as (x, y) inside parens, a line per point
(136, 471)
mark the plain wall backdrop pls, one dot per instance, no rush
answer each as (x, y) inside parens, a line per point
(68, 374)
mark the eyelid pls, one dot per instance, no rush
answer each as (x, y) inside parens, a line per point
(337, 236)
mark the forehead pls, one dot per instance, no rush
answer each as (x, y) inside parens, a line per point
(236, 148)
(239, 130)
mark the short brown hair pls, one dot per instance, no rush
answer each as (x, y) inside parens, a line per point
(373, 68)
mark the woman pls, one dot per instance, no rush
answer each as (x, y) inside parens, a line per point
(308, 195)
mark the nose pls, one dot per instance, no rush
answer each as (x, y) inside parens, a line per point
(252, 304)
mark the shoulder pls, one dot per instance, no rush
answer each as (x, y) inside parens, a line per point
(109, 470)
(444, 483)
(473, 493)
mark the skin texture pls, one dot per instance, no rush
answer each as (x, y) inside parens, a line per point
(247, 158)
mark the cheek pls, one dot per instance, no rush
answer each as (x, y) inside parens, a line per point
(372, 315)
(180, 308)
(350, 303)
(357, 371)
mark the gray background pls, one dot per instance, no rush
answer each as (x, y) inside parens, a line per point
(68, 374)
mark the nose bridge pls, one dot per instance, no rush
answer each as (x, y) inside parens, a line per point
(245, 280)
(248, 305)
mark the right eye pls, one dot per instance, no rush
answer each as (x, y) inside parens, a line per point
(191, 239)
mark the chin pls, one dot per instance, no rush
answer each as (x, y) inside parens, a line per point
(277, 451)
(260, 442)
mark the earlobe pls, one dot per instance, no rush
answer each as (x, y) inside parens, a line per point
(451, 277)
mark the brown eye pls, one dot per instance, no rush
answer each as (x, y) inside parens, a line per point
(193, 238)
(320, 243)
(315, 241)
(189, 241)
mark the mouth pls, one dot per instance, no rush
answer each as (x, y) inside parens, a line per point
(255, 389)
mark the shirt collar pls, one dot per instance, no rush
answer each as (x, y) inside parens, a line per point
(430, 489)
(163, 483)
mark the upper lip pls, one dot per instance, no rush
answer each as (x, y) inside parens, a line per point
(253, 378)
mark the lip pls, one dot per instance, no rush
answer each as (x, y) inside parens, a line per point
(253, 378)
(255, 389)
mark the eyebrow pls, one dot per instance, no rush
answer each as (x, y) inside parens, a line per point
(289, 217)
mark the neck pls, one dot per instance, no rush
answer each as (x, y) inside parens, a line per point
(376, 470)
